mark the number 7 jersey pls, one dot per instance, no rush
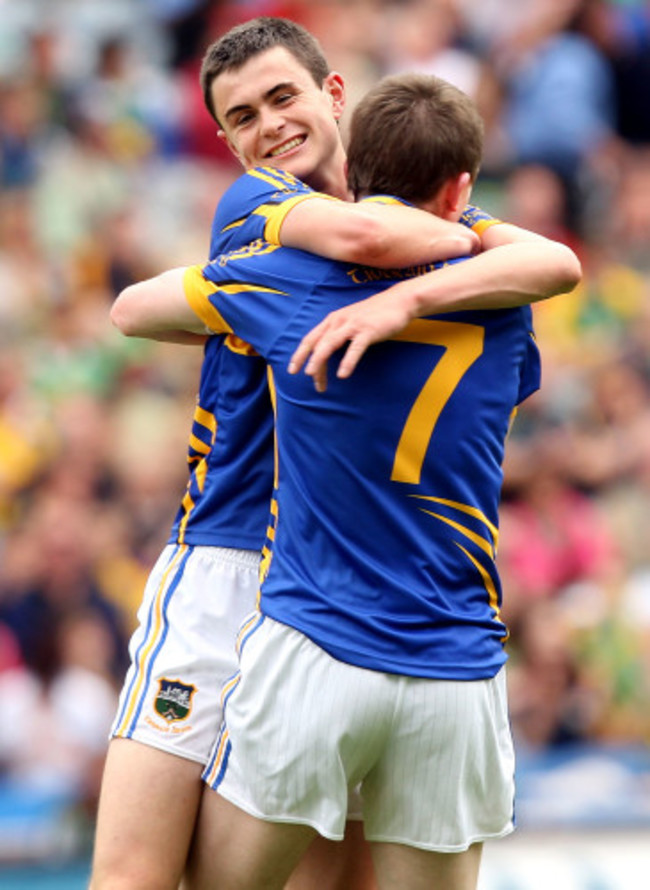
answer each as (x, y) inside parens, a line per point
(388, 484)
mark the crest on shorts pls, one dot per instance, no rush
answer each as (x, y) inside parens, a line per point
(174, 699)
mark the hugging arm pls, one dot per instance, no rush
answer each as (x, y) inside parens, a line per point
(158, 310)
(520, 268)
(374, 233)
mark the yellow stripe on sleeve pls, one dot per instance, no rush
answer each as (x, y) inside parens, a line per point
(197, 292)
(277, 214)
(483, 224)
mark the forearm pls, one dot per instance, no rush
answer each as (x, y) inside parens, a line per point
(181, 338)
(158, 310)
(381, 235)
(503, 277)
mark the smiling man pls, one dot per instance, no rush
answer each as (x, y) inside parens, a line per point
(377, 655)
(277, 105)
(206, 579)
(271, 114)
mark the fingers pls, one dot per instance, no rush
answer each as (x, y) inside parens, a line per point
(316, 367)
(316, 347)
(304, 349)
(352, 355)
(319, 377)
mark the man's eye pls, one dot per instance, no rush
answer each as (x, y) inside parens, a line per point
(283, 98)
(244, 119)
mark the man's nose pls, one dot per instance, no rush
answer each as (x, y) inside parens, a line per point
(271, 121)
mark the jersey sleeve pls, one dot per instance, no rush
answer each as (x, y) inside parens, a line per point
(255, 207)
(198, 293)
(478, 220)
(253, 304)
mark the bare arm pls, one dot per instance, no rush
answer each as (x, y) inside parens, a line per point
(158, 310)
(375, 234)
(511, 274)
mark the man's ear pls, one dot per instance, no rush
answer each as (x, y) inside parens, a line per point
(457, 193)
(334, 86)
(224, 138)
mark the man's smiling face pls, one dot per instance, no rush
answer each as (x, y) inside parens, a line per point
(272, 113)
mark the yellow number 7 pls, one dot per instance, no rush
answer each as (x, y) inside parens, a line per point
(463, 345)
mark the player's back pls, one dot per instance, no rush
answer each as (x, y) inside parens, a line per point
(388, 483)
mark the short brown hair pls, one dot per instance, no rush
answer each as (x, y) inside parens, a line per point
(409, 135)
(244, 41)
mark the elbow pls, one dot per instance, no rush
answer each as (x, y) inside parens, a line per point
(570, 270)
(121, 316)
(464, 242)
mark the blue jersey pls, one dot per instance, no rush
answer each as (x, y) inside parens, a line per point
(226, 502)
(388, 484)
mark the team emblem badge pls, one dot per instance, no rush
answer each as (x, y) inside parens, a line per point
(174, 699)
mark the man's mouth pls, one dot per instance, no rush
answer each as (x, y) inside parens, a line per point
(286, 146)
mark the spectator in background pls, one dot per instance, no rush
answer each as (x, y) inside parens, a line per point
(56, 716)
(551, 704)
(559, 106)
(58, 582)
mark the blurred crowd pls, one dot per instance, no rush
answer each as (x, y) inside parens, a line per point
(110, 170)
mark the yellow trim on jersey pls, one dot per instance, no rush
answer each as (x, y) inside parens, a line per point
(197, 293)
(255, 248)
(198, 445)
(236, 224)
(200, 474)
(464, 508)
(485, 546)
(276, 214)
(237, 345)
(482, 224)
(199, 289)
(274, 407)
(489, 587)
(279, 179)
(206, 419)
(188, 505)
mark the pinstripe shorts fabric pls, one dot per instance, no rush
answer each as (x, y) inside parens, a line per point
(183, 649)
(433, 758)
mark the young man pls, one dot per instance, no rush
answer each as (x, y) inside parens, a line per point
(274, 90)
(206, 580)
(378, 652)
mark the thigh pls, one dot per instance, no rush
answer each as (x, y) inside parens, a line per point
(147, 809)
(446, 777)
(183, 649)
(411, 869)
(233, 850)
(336, 865)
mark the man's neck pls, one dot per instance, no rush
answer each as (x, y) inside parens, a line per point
(331, 179)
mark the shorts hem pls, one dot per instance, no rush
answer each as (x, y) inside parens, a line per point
(159, 746)
(441, 848)
(282, 819)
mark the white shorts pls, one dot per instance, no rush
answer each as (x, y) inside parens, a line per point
(183, 649)
(434, 758)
